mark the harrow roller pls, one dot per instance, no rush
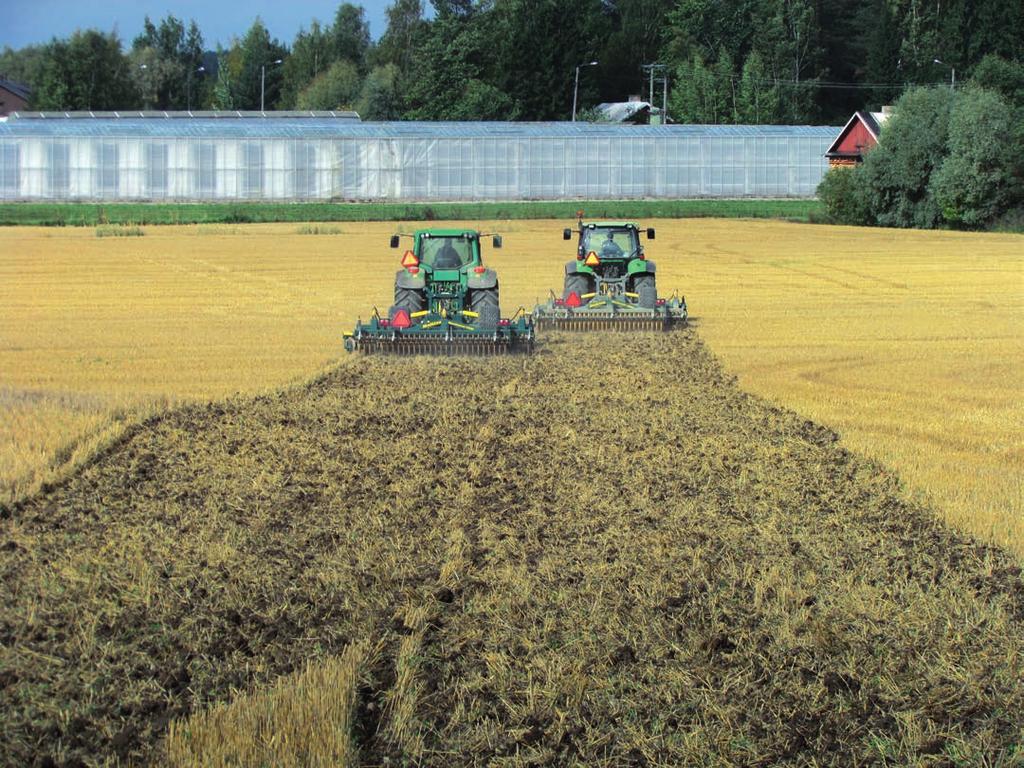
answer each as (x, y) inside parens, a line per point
(610, 323)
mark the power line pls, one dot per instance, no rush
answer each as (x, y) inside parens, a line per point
(829, 84)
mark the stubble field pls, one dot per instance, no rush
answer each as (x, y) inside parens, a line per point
(592, 557)
(607, 554)
(909, 344)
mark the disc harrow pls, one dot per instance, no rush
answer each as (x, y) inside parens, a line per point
(439, 335)
(431, 345)
(610, 315)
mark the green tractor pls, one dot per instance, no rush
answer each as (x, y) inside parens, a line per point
(610, 285)
(446, 302)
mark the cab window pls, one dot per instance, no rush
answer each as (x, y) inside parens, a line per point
(621, 243)
(445, 252)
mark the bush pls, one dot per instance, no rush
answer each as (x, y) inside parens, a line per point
(980, 179)
(912, 145)
(843, 193)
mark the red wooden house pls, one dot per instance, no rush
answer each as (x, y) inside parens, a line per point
(858, 136)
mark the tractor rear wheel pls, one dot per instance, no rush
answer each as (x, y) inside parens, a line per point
(643, 284)
(579, 284)
(409, 299)
(484, 301)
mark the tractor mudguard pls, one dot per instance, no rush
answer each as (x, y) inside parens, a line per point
(487, 279)
(577, 267)
(637, 266)
(405, 280)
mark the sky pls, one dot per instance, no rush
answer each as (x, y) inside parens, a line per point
(27, 23)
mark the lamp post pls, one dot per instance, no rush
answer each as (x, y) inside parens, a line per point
(576, 88)
(952, 79)
(144, 69)
(263, 79)
(190, 72)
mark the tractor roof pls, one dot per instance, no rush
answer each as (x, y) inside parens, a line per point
(447, 232)
(624, 224)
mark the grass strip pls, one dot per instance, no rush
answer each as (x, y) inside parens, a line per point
(93, 214)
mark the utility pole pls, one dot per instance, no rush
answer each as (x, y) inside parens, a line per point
(662, 70)
(576, 87)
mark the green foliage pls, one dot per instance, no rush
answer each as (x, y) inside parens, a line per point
(912, 145)
(350, 35)
(336, 88)
(165, 60)
(749, 61)
(695, 98)
(25, 65)
(983, 175)
(1006, 78)
(405, 29)
(88, 71)
(843, 193)
(311, 55)
(537, 69)
(447, 79)
(379, 98)
(757, 99)
(255, 57)
(86, 215)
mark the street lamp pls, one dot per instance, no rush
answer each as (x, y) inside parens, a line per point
(952, 80)
(576, 88)
(190, 73)
(263, 79)
(145, 85)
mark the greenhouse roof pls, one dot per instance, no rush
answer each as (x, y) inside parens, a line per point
(344, 125)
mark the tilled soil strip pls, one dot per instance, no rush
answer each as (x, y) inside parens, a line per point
(606, 554)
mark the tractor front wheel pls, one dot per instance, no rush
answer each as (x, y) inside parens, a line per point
(409, 299)
(644, 286)
(484, 301)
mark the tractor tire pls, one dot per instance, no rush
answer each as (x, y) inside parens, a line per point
(644, 286)
(579, 283)
(409, 299)
(484, 301)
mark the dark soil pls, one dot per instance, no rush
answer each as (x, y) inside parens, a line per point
(659, 569)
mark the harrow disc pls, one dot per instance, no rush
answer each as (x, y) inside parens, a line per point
(469, 346)
(612, 323)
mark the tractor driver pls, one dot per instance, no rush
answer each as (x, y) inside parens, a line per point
(610, 249)
(447, 257)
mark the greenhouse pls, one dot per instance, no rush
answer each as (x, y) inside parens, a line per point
(334, 156)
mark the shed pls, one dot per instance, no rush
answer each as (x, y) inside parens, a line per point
(860, 134)
(636, 112)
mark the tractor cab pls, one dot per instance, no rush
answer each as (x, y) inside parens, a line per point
(444, 250)
(610, 241)
(608, 246)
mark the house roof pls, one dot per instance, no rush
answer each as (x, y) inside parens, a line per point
(872, 122)
(621, 111)
(20, 90)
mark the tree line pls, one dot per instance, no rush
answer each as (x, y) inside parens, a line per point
(727, 61)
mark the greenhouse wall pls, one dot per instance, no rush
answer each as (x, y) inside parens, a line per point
(107, 159)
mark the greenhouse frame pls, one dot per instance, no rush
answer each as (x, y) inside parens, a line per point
(334, 156)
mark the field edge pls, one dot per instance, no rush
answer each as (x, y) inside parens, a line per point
(97, 214)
